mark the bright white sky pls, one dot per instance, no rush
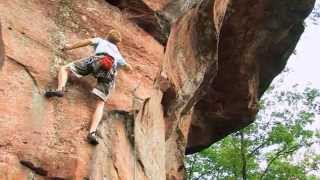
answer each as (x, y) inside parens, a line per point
(305, 65)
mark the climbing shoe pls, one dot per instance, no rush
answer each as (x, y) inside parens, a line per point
(92, 138)
(53, 92)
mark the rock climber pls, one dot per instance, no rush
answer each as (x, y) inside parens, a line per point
(102, 65)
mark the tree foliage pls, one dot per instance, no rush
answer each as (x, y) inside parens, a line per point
(280, 144)
(276, 146)
(315, 14)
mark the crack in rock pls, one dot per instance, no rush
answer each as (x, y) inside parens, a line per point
(27, 71)
(38, 170)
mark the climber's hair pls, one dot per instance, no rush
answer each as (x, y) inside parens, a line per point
(114, 36)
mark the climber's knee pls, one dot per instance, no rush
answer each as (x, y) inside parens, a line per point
(100, 103)
(65, 67)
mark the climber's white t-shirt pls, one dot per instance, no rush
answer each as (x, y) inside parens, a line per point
(104, 46)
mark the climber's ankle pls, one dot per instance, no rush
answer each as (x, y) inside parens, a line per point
(92, 138)
(53, 93)
(62, 89)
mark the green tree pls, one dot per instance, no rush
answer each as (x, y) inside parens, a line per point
(269, 148)
(315, 14)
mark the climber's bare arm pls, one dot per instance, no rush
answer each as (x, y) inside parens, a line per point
(78, 44)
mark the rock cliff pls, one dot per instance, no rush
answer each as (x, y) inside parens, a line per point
(199, 70)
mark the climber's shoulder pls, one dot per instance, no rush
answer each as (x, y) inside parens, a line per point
(96, 40)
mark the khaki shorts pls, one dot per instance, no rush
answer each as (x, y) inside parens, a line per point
(90, 65)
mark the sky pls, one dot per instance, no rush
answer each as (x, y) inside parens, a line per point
(304, 70)
(304, 65)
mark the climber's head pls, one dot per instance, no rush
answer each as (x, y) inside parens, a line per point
(114, 36)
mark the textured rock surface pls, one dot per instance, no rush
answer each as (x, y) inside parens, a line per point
(254, 45)
(219, 58)
(1, 49)
(49, 135)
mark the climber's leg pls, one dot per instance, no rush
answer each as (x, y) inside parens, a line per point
(62, 80)
(63, 77)
(78, 68)
(101, 91)
(97, 115)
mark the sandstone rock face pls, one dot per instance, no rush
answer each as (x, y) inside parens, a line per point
(1, 49)
(48, 136)
(254, 45)
(187, 90)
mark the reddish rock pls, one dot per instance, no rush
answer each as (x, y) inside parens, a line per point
(190, 70)
(219, 58)
(157, 5)
(1, 49)
(149, 137)
(48, 136)
(116, 157)
(254, 46)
